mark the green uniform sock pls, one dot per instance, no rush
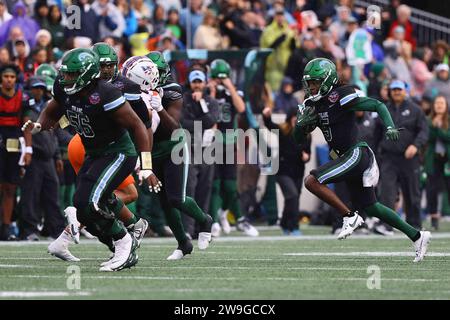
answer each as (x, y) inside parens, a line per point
(191, 208)
(216, 201)
(389, 216)
(173, 218)
(231, 199)
(115, 204)
(132, 207)
(70, 191)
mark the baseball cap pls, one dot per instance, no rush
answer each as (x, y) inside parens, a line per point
(442, 67)
(397, 84)
(37, 82)
(197, 75)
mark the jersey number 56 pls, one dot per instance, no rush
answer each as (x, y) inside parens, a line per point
(81, 124)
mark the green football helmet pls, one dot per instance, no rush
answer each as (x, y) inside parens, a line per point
(81, 66)
(48, 73)
(220, 69)
(322, 70)
(107, 55)
(163, 67)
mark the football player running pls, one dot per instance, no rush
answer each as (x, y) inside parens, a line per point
(165, 105)
(102, 117)
(126, 191)
(330, 106)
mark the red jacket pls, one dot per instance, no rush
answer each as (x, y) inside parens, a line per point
(409, 32)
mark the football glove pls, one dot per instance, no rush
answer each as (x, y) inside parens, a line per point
(392, 134)
(306, 118)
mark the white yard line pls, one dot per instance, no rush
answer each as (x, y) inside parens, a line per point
(366, 254)
(224, 239)
(176, 278)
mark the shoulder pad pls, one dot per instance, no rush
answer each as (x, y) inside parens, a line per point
(172, 95)
(345, 94)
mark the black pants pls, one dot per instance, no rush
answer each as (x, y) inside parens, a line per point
(199, 186)
(96, 181)
(39, 190)
(434, 184)
(174, 179)
(291, 188)
(397, 171)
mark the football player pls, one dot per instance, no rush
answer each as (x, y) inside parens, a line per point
(330, 105)
(166, 114)
(102, 117)
(127, 191)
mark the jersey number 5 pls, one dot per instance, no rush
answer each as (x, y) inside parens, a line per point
(81, 124)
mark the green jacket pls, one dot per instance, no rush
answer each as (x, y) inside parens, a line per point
(435, 133)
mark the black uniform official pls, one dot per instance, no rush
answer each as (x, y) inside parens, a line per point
(400, 161)
(40, 185)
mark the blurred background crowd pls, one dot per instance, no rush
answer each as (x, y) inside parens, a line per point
(390, 56)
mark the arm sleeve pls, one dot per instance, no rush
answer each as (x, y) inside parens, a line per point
(422, 127)
(373, 105)
(300, 136)
(269, 123)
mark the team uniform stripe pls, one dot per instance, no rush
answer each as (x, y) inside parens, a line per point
(132, 96)
(348, 98)
(185, 169)
(351, 162)
(114, 104)
(106, 178)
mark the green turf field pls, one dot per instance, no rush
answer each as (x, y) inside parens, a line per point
(314, 266)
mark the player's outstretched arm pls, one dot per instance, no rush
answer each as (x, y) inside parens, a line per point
(373, 105)
(47, 119)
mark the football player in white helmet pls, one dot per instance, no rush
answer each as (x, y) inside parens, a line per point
(144, 72)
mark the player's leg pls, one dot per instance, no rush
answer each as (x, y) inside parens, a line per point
(216, 203)
(97, 179)
(192, 184)
(172, 215)
(175, 176)
(349, 167)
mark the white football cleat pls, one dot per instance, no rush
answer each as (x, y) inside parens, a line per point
(140, 227)
(204, 235)
(181, 251)
(60, 248)
(245, 226)
(421, 245)
(350, 224)
(123, 255)
(74, 225)
(224, 221)
(108, 261)
(215, 230)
